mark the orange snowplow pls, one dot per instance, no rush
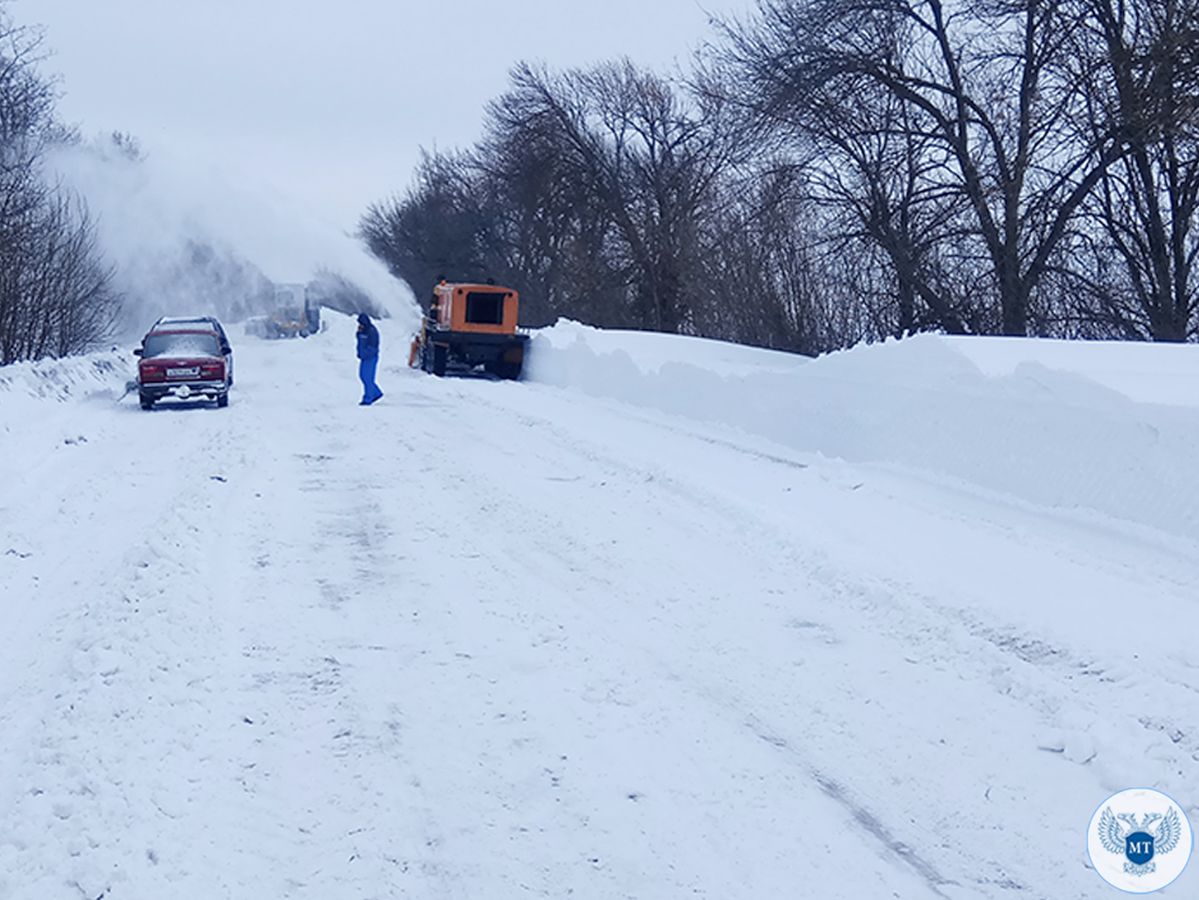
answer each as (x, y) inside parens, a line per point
(471, 325)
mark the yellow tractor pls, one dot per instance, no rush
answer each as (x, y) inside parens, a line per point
(471, 325)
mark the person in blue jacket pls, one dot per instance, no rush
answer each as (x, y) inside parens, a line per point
(368, 359)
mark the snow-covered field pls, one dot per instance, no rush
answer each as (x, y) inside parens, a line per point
(671, 619)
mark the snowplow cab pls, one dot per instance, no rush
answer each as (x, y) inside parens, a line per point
(470, 325)
(481, 308)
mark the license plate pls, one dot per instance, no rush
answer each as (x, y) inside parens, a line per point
(183, 373)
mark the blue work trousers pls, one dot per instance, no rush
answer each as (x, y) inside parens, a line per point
(366, 372)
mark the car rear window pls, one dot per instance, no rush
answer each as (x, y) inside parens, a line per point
(196, 324)
(197, 343)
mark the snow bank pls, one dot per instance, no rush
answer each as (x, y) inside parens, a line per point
(1052, 423)
(91, 376)
(652, 350)
(1149, 373)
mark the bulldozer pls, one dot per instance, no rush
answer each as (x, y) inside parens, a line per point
(470, 325)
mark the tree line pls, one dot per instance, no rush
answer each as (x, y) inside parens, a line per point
(831, 171)
(56, 292)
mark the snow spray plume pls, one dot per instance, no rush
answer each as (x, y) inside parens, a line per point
(187, 239)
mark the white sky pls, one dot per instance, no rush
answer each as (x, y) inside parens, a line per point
(330, 102)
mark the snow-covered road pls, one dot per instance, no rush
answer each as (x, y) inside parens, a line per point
(506, 640)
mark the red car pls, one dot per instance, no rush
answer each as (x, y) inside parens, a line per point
(198, 323)
(182, 365)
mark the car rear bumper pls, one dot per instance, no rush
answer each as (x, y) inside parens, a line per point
(182, 390)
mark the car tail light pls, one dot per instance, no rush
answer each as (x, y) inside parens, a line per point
(214, 371)
(151, 372)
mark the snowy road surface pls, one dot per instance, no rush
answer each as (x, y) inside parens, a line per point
(493, 640)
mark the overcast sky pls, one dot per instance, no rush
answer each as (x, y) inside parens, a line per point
(331, 102)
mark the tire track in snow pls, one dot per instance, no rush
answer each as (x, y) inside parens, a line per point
(75, 786)
(534, 559)
(901, 610)
(641, 673)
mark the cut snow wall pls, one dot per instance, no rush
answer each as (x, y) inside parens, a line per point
(1040, 435)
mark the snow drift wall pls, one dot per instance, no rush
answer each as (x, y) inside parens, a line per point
(1040, 433)
(93, 375)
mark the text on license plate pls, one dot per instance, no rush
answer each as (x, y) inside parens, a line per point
(183, 373)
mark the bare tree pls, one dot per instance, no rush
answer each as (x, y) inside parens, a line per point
(990, 90)
(56, 294)
(647, 159)
(434, 229)
(551, 236)
(590, 193)
(1144, 213)
(844, 169)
